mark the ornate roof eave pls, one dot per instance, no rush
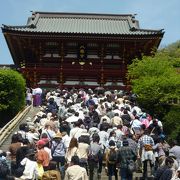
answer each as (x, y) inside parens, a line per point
(158, 34)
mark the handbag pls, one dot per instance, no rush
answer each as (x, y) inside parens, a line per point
(148, 147)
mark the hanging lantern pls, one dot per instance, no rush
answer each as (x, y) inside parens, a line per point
(82, 54)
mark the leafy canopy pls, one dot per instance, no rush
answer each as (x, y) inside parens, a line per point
(155, 80)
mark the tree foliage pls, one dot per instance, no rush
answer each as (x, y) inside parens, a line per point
(172, 123)
(173, 51)
(12, 93)
(155, 80)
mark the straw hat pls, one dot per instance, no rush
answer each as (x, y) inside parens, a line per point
(63, 133)
(58, 135)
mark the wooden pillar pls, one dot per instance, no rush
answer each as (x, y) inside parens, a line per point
(102, 80)
(61, 78)
(124, 64)
(40, 64)
(40, 53)
(34, 77)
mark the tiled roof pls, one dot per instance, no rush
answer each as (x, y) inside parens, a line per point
(76, 23)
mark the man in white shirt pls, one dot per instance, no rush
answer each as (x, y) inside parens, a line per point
(104, 136)
(66, 139)
(76, 131)
(75, 172)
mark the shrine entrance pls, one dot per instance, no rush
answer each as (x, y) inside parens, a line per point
(78, 50)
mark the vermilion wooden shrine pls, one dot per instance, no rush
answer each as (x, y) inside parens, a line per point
(79, 50)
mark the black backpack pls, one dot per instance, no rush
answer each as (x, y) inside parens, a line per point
(93, 157)
(112, 156)
(4, 169)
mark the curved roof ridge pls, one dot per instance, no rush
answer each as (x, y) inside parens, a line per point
(10, 26)
(82, 15)
(85, 24)
(152, 30)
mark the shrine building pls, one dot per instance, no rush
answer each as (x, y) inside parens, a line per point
(78, 49)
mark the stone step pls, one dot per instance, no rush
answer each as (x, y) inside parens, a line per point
(7, 142)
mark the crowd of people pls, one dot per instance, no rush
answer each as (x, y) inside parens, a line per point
(79, 133)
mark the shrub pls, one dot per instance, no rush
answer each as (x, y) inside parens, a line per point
(12, 93)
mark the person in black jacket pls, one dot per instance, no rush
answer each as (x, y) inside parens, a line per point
(165, 172)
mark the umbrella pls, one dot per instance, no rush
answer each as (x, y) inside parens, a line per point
(72, 119)
(99, 89)
(108, 93)
(38, 91)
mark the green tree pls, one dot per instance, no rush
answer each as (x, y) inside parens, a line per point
(12, 93)
(155, 81)
(173, 51)
(171, 122)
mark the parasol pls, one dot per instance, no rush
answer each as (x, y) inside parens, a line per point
(37, 91)
(72, 119)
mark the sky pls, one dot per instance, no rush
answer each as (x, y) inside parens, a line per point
(152, 14)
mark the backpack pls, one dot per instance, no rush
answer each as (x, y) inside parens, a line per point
(93, 157)
(19, 171)
(4, 169)
(112, 157)
(131, 166)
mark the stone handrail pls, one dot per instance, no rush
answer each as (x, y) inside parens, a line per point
(9, 127)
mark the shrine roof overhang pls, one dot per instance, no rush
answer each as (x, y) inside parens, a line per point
(81, 23)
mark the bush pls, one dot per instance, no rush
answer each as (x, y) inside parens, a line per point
(155, 81)
(12, 94)
(171, 122)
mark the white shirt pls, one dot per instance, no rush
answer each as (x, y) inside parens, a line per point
(76, 172)
(66, 139)
(119, 134)
(83, 150)
(30, 171)
(76, 132)
(104, 136)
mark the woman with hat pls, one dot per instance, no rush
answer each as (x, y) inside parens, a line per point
(58, 150)
(42, 156)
